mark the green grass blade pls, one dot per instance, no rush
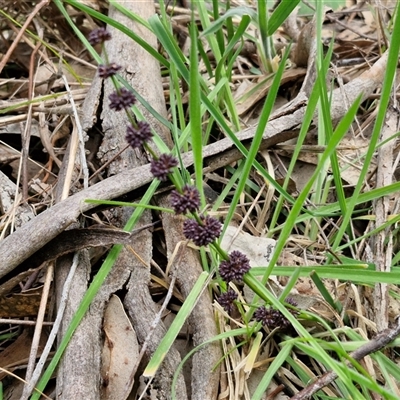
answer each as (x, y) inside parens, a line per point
(379, 121)
(266, 47)
(128, 204)
(233, 12)
(291, 220)
(176, 326)
(195, 113)
(308, 117)
(250, 158)
(201, 7)
(244, 23)
(219, 34)
(290, 285)
(281, 357)
(324, 292)
(233, 333)
(333, 209)
(280, 14)
(364, 277)
(134, 17)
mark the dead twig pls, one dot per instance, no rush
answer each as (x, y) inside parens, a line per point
(15, 42)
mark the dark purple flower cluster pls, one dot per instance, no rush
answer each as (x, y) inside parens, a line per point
(226, 300)
(107, 71)
(99, 35)
(161, 167)
(139, 135)
(292, 302)
(234, 268)
(274, 318)
(188, 200)
(204, 233)
(202, 230)
(121, 99)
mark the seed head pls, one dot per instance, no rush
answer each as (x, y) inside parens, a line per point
(99, 35)
(226, 300)
(204, 233)
(162, 167)
(291, 301)
(234, 268)
(121, 99)
(106, 71)
(274, 318)
(139, 135)
(186, 201)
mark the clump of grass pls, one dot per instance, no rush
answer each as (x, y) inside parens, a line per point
(201, 229)
(328, 346)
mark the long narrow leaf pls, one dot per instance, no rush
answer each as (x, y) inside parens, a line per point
(280, 14)
(287, 228)
(176, 326)
(379, 120)
(195, 113)
(250, 158)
